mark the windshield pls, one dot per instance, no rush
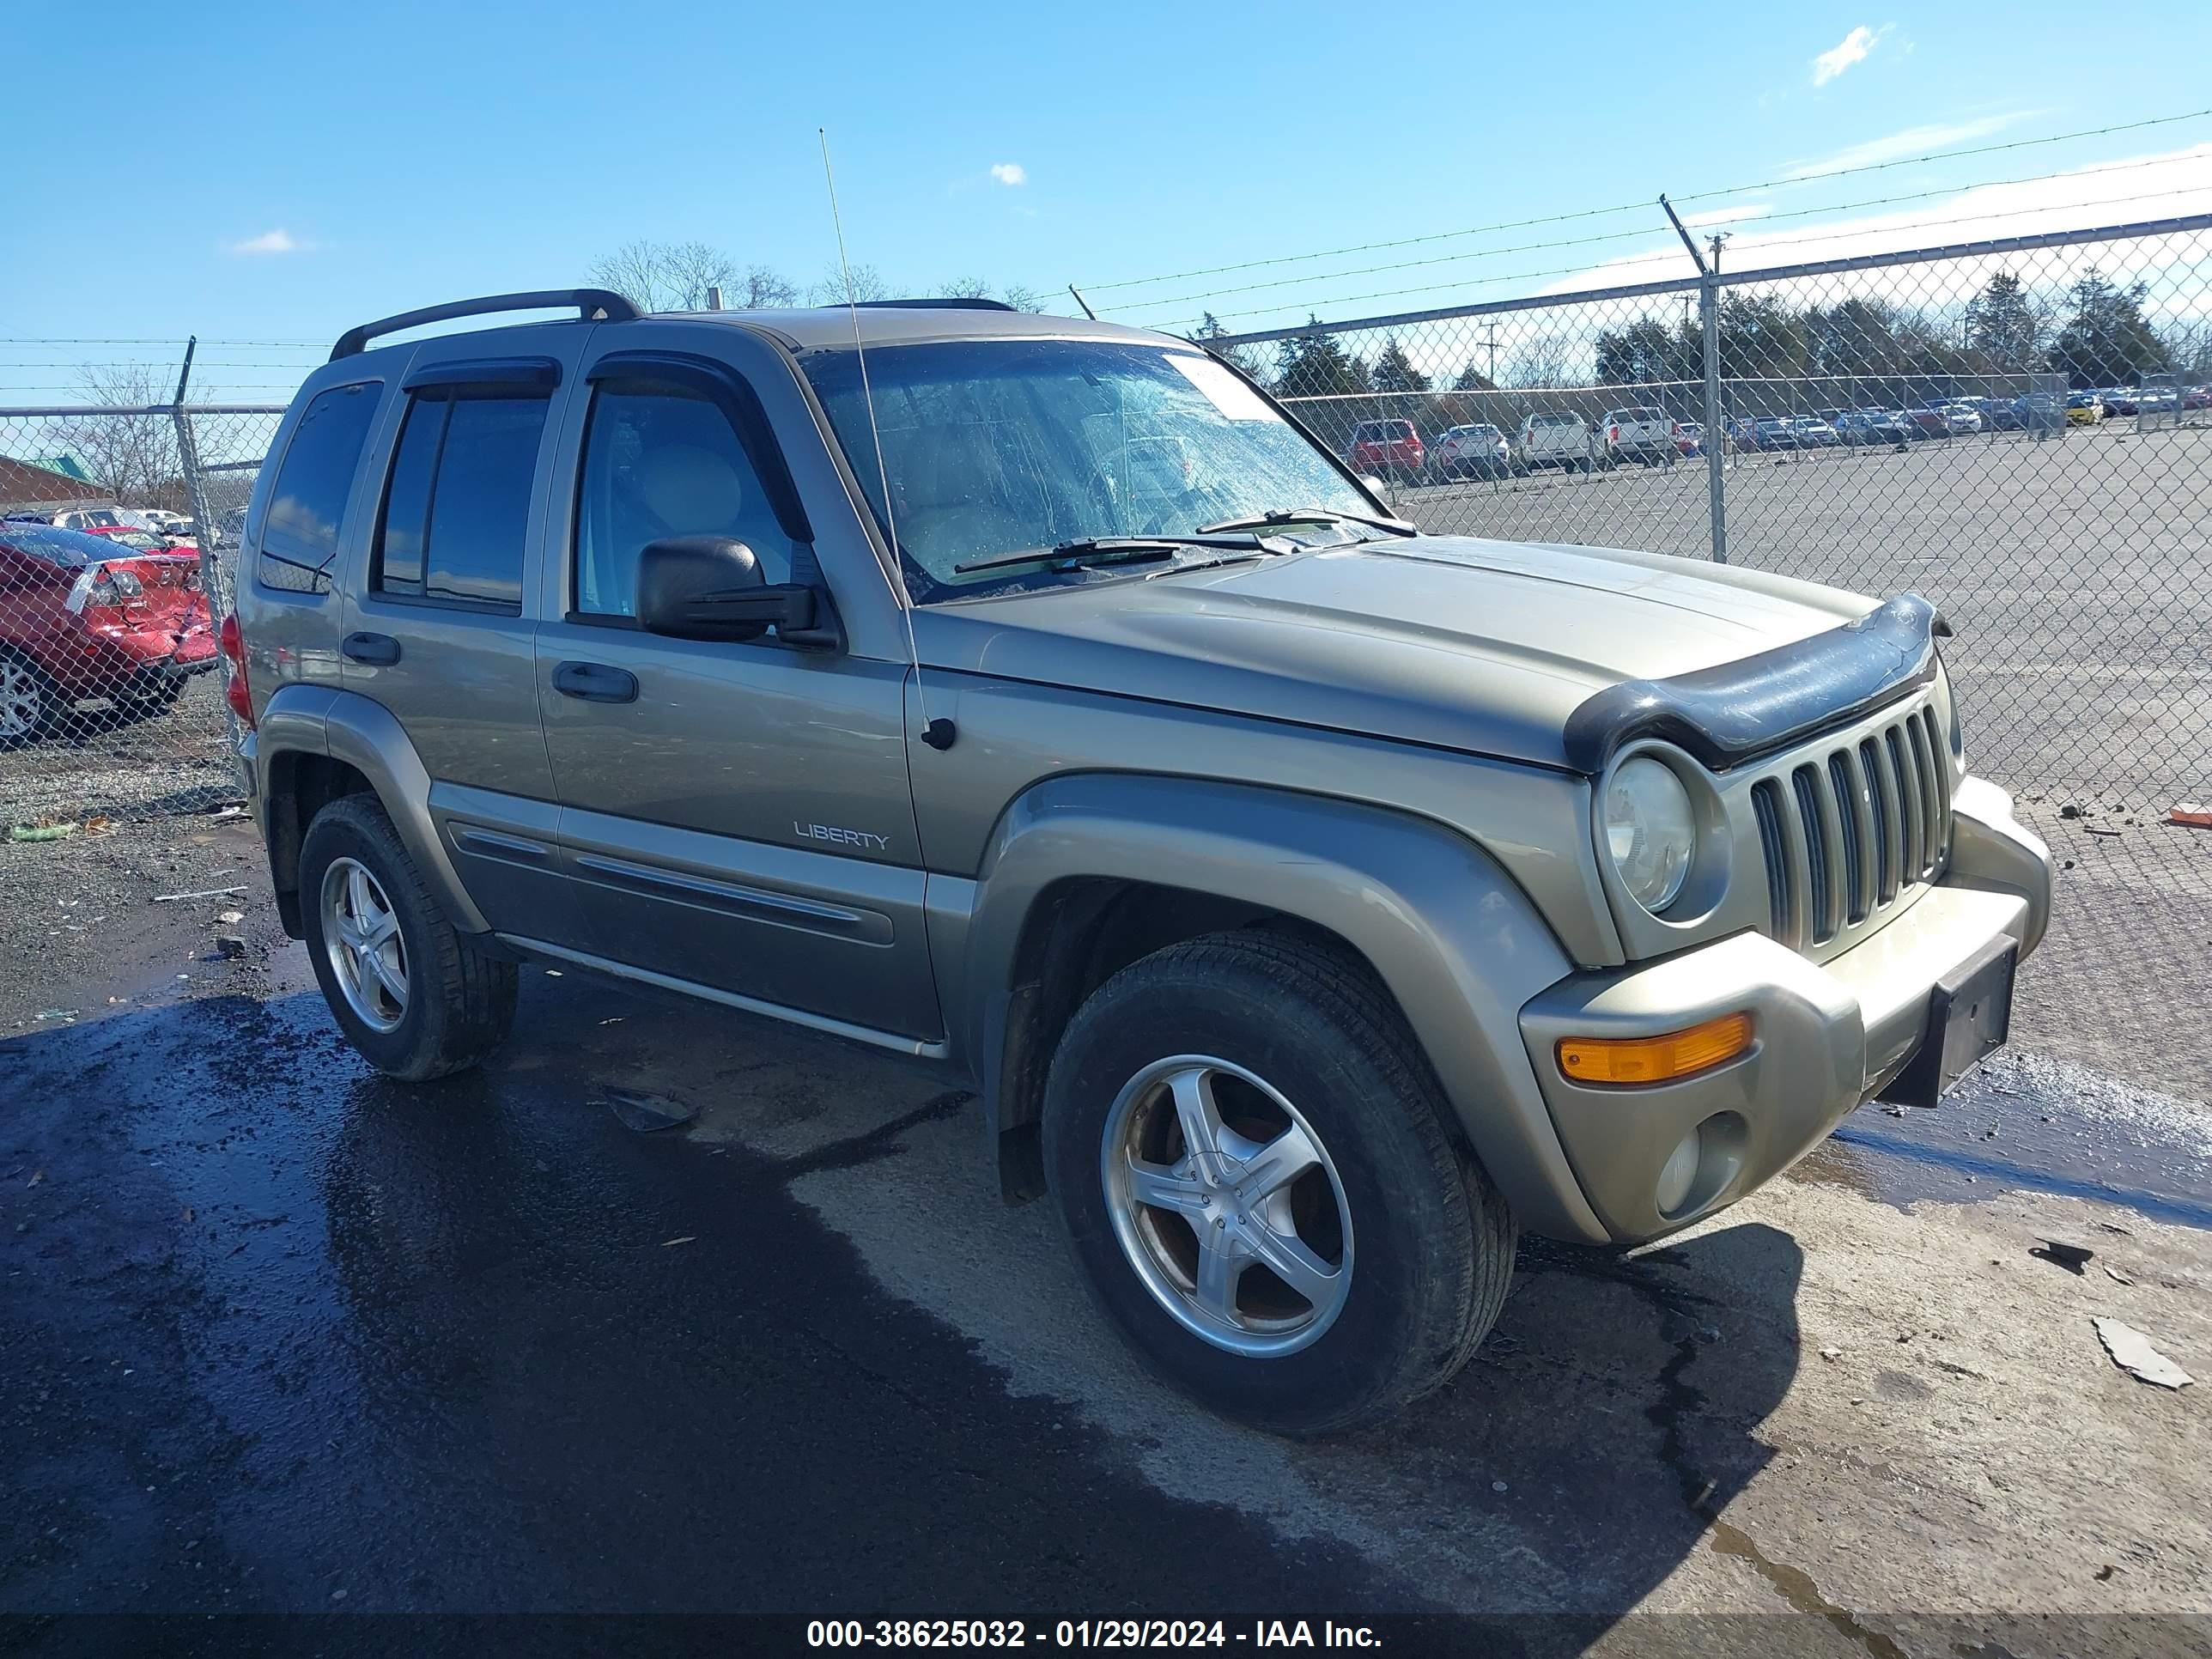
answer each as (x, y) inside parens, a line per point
(997, 447)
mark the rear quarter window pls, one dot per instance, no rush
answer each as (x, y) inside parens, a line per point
(456, 508)
(300, 530)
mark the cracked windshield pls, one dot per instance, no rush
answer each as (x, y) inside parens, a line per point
(997, 447)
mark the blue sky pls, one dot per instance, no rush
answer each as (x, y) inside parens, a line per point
(252, 172)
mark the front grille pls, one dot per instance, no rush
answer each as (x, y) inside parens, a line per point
(1847, 831)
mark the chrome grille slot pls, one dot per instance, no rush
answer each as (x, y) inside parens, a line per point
(1882, 803)
(1782, 910)
(1819, 852)
(1850, 832)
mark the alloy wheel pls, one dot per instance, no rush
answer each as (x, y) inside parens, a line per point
(1227, 1205)
(22, 700)
(361, 939)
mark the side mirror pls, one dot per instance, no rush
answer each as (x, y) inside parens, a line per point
(710, 588)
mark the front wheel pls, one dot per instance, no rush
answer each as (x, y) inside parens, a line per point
(1253, 1169)
(410, 992)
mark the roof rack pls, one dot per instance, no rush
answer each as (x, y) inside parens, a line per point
(926, 305)
(591, 303)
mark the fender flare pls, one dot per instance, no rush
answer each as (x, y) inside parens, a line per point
(346, 726)
(1451, 935)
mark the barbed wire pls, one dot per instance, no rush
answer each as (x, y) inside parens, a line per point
(1631, 207)
(1646, 232)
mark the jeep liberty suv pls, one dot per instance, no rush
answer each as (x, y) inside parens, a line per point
(1313, 902)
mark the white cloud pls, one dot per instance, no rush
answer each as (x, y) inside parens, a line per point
(271, 241)
(1850, 50)
(1912, 140)
(1011, 173)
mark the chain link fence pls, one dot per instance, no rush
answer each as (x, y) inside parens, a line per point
(112, 578)
(2020, 429)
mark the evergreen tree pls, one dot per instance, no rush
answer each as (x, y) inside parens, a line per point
(2001, 326)
(1394, 371)
(2109, 342)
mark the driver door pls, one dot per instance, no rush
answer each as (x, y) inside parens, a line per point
(736, 817)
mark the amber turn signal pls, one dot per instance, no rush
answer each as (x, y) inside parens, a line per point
(1629, 1061)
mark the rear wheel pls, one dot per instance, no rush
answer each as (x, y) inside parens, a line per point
(28, 700)
(1252, 1166)
(412, 993)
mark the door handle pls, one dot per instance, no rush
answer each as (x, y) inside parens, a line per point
(595, 682)
(379, 650)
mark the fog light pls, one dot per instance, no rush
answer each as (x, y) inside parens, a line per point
(1679, 1172)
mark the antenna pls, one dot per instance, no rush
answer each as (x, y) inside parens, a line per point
(937, 733)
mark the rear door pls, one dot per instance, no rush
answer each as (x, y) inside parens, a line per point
(736, 816)
(437, 628)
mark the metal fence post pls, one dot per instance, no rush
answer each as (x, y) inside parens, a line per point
(1716, 444)
(188, 463)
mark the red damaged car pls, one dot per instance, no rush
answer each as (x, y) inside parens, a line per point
(84, 616)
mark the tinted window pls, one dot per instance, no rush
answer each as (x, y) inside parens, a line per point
(299, 531)
(457, 510)
(70, 550)
(660, 460)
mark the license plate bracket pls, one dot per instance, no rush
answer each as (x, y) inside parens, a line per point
(1969, 1015)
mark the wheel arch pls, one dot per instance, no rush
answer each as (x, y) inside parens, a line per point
(314, 744)
(1084, 873)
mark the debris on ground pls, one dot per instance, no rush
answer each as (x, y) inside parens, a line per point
(2116, 1275)
(2104, 829)
(204, 892)
(1832, 1355)
(687, 1238)
(647, 1114)
(230, 944)
(2069, 809)
(65, 1016)
(2069, 1256)
(1957, 1370)
(2132, 1352)
(99, 825)
(40, 831)
(2192, 815)
(230, 918)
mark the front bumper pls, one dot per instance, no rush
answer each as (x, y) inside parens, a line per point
(1826, 1035)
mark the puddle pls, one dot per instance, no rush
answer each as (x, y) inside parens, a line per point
(2027, 1123)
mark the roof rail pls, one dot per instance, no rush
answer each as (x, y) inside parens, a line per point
(590, 303)
(978, 304)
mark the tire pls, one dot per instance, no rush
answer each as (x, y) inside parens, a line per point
(1424, 1241)
(29, 700)
(458, 1002)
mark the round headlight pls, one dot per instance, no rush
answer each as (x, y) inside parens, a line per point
(1650, 829)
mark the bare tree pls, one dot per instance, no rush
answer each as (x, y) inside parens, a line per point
(764, 289)
(666, 276)
(1542, 362)
(867, 283)
(133, 456)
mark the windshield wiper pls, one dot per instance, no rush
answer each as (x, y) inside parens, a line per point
(1111, 550)
(1307, 515)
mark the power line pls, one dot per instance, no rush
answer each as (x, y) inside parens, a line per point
(1642, 231)
(1631, 207)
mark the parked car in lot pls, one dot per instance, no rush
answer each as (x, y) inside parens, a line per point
(1639, 434)
(1810, 432)
(2038, 411)
(1478, 451)
(2118, 400)
(1388, 449)
(1552, 437)
(2196, 397)
(1859, 427)
(1964, 418)
(1690, 438)
(2085, 409)
(82, 617)
(1929, 421)
(1772, 432)
(1312, 903)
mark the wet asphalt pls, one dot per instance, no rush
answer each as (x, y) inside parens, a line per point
(325, 1341)
(279, 1336)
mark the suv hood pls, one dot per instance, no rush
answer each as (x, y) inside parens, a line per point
(1482, 647)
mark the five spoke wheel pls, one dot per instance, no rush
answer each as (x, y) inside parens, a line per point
(367, 952)
(1227, 1205)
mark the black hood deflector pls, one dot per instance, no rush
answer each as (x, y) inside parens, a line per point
(1739, 711)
